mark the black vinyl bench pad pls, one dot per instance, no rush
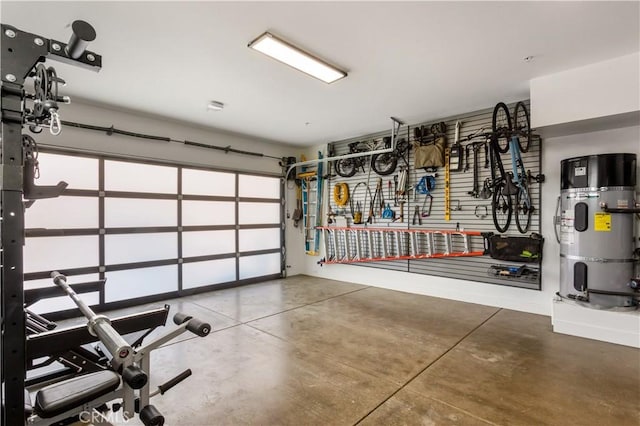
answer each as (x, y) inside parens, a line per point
(63, 396)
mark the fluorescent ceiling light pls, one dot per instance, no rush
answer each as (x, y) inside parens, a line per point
(286, 53)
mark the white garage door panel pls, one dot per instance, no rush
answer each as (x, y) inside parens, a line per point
(256, 266)
(258, 186)
(204, 243)
(78, 172)
(196, 213)
(202, 182)
(125, 212)
(136, 177)
(130, 248)
(63, 213)
(58, 253)
(129, 284)
(259, 239)
(259, 213)
(199, 274)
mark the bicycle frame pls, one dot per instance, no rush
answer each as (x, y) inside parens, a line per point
(519, 172)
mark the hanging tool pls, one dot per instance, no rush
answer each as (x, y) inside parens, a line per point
(467, 157)
(426, 184)
(486, 191)
(395, 200)
(357, 215)
(475, 193)
(379, 195)
(330, 215)
(297, 213)
(486, 154)
(447, 176)
(388, 213)
(455, 155)
(416, 216)
(389, 187)
(402, 182)
(402, 210)
(341, 194)
(479, 212)
(353, 196)
(427, 212)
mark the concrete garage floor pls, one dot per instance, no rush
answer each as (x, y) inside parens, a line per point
(309, 351)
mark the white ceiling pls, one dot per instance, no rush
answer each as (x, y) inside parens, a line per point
(417, 60)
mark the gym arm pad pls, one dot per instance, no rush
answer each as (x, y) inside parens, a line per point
(171, 383)
(180, 318)
(134, 377)
(198, 327)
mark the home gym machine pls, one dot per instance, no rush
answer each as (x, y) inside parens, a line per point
(596, 212)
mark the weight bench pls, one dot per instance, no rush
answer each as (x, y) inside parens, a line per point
(54, 353)
(125, 377)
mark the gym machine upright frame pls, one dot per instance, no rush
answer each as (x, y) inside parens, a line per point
(21, 52)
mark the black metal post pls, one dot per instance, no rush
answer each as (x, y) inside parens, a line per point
(21, 51)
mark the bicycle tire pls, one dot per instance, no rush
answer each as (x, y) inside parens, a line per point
(501, 126)
(501, 209)
(346, 167)
(384, 164)
(523, 213)
(522, 126)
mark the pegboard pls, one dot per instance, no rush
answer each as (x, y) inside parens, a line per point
(463, 205)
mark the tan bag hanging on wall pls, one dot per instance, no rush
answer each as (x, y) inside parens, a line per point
(431, 155)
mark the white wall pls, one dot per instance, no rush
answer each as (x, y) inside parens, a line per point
(597, 90)
(99, 142)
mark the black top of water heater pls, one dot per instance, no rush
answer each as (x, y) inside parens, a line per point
(597, 171)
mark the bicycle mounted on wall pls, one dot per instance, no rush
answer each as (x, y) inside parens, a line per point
(383, 164)
(507, 184)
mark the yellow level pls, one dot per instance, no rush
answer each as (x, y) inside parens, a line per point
(447, 206)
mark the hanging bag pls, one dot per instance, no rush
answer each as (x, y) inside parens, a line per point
(430, 154)
(515, 249)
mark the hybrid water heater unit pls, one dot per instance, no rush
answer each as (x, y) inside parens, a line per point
(598, 249)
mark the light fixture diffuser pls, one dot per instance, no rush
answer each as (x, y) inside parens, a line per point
(288, 54)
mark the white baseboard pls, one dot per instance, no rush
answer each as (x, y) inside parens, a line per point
(622, 328)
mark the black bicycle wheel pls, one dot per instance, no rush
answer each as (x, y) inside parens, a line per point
(384, 164)
(346, 167)
(522, 126)
(501, 208)
(501, 126)
(524, 210)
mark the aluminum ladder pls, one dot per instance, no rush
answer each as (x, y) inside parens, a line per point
(312, 189)
(362, 244)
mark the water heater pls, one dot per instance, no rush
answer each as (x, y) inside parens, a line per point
(597, 237)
